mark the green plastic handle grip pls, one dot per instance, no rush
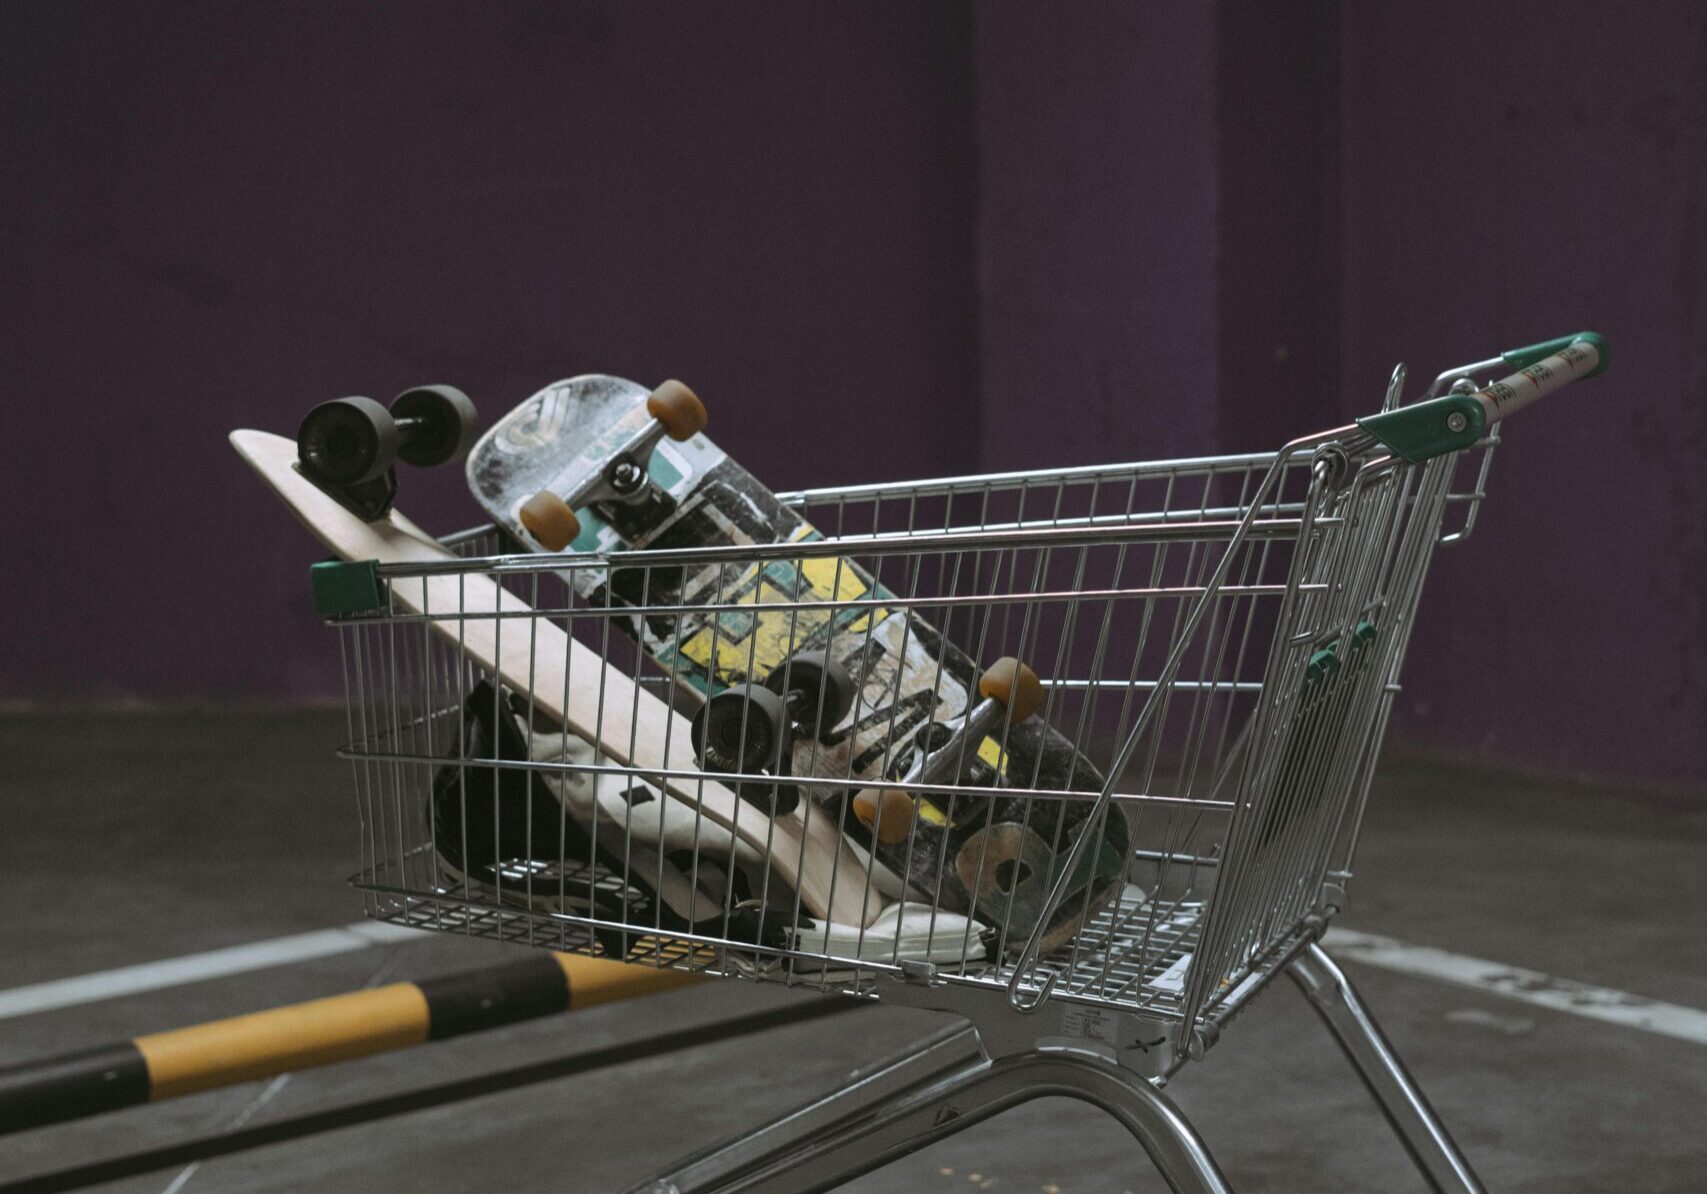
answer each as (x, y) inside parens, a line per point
(1454, 421)
(1523, 358)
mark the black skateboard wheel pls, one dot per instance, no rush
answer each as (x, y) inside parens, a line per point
(439, 425)
(826, 690)
(549, 520)
(1003, 861)
(678, 409)
(888, 814)
(1015, 685)
(741, 730)
(347, 441)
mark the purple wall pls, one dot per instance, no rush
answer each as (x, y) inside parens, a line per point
(217, 215)
(1278, 219)
(1526, 170)
(884, 241)
(1096, 232)
(1214, 228)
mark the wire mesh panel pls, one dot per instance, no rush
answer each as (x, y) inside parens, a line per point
(1105, 732)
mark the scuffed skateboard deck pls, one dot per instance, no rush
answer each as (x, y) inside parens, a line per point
(906, 675)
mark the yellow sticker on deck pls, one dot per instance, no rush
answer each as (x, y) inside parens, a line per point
(931, 813)
(990, 751)
(755, 644)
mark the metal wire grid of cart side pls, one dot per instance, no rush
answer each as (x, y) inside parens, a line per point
(1221, 637)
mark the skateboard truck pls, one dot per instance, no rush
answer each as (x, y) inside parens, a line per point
(816, 691)
(750, 728)
(348, 446)
(1009, 691)
(550, 517)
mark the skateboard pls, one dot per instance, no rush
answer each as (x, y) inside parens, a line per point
(560, 678)
(625, 854)
(816, 701)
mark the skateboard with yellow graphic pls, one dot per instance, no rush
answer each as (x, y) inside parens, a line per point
(819, 702)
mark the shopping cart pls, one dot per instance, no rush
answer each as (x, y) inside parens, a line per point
(1220, 638)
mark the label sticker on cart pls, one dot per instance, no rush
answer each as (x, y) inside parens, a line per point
(1090, 1023)
(1172, 980)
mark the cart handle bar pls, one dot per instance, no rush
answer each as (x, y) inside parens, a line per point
(1453, 421)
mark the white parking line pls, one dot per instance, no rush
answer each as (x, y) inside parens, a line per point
(1525, 986)
(194, 968)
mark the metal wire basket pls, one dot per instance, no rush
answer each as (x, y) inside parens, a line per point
(1218, 641)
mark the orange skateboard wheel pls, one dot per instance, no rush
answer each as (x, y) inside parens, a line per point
(678, 409)
(549, 519)
(888, 813)
(1015, 685)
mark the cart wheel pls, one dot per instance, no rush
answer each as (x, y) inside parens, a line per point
(443, 425)
(820, 680)
(347, 441)
(1015, 685)
(678, 409)
(549, 519)
(741, 729)
(888, 814)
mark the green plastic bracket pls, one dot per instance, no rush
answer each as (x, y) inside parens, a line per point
(346, 587)
(1425, 430)
(1326, 662)
(1523, 358)
(1323, 664)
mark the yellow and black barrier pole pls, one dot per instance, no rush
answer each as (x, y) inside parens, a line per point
(164, 1065)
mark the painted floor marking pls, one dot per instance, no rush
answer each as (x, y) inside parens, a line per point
(1525, 986)
(193, 968)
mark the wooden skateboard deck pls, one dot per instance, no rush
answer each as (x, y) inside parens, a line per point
(805, 846)
(627, 854)
(907, 675)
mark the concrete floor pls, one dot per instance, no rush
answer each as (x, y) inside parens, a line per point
(137, 836)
